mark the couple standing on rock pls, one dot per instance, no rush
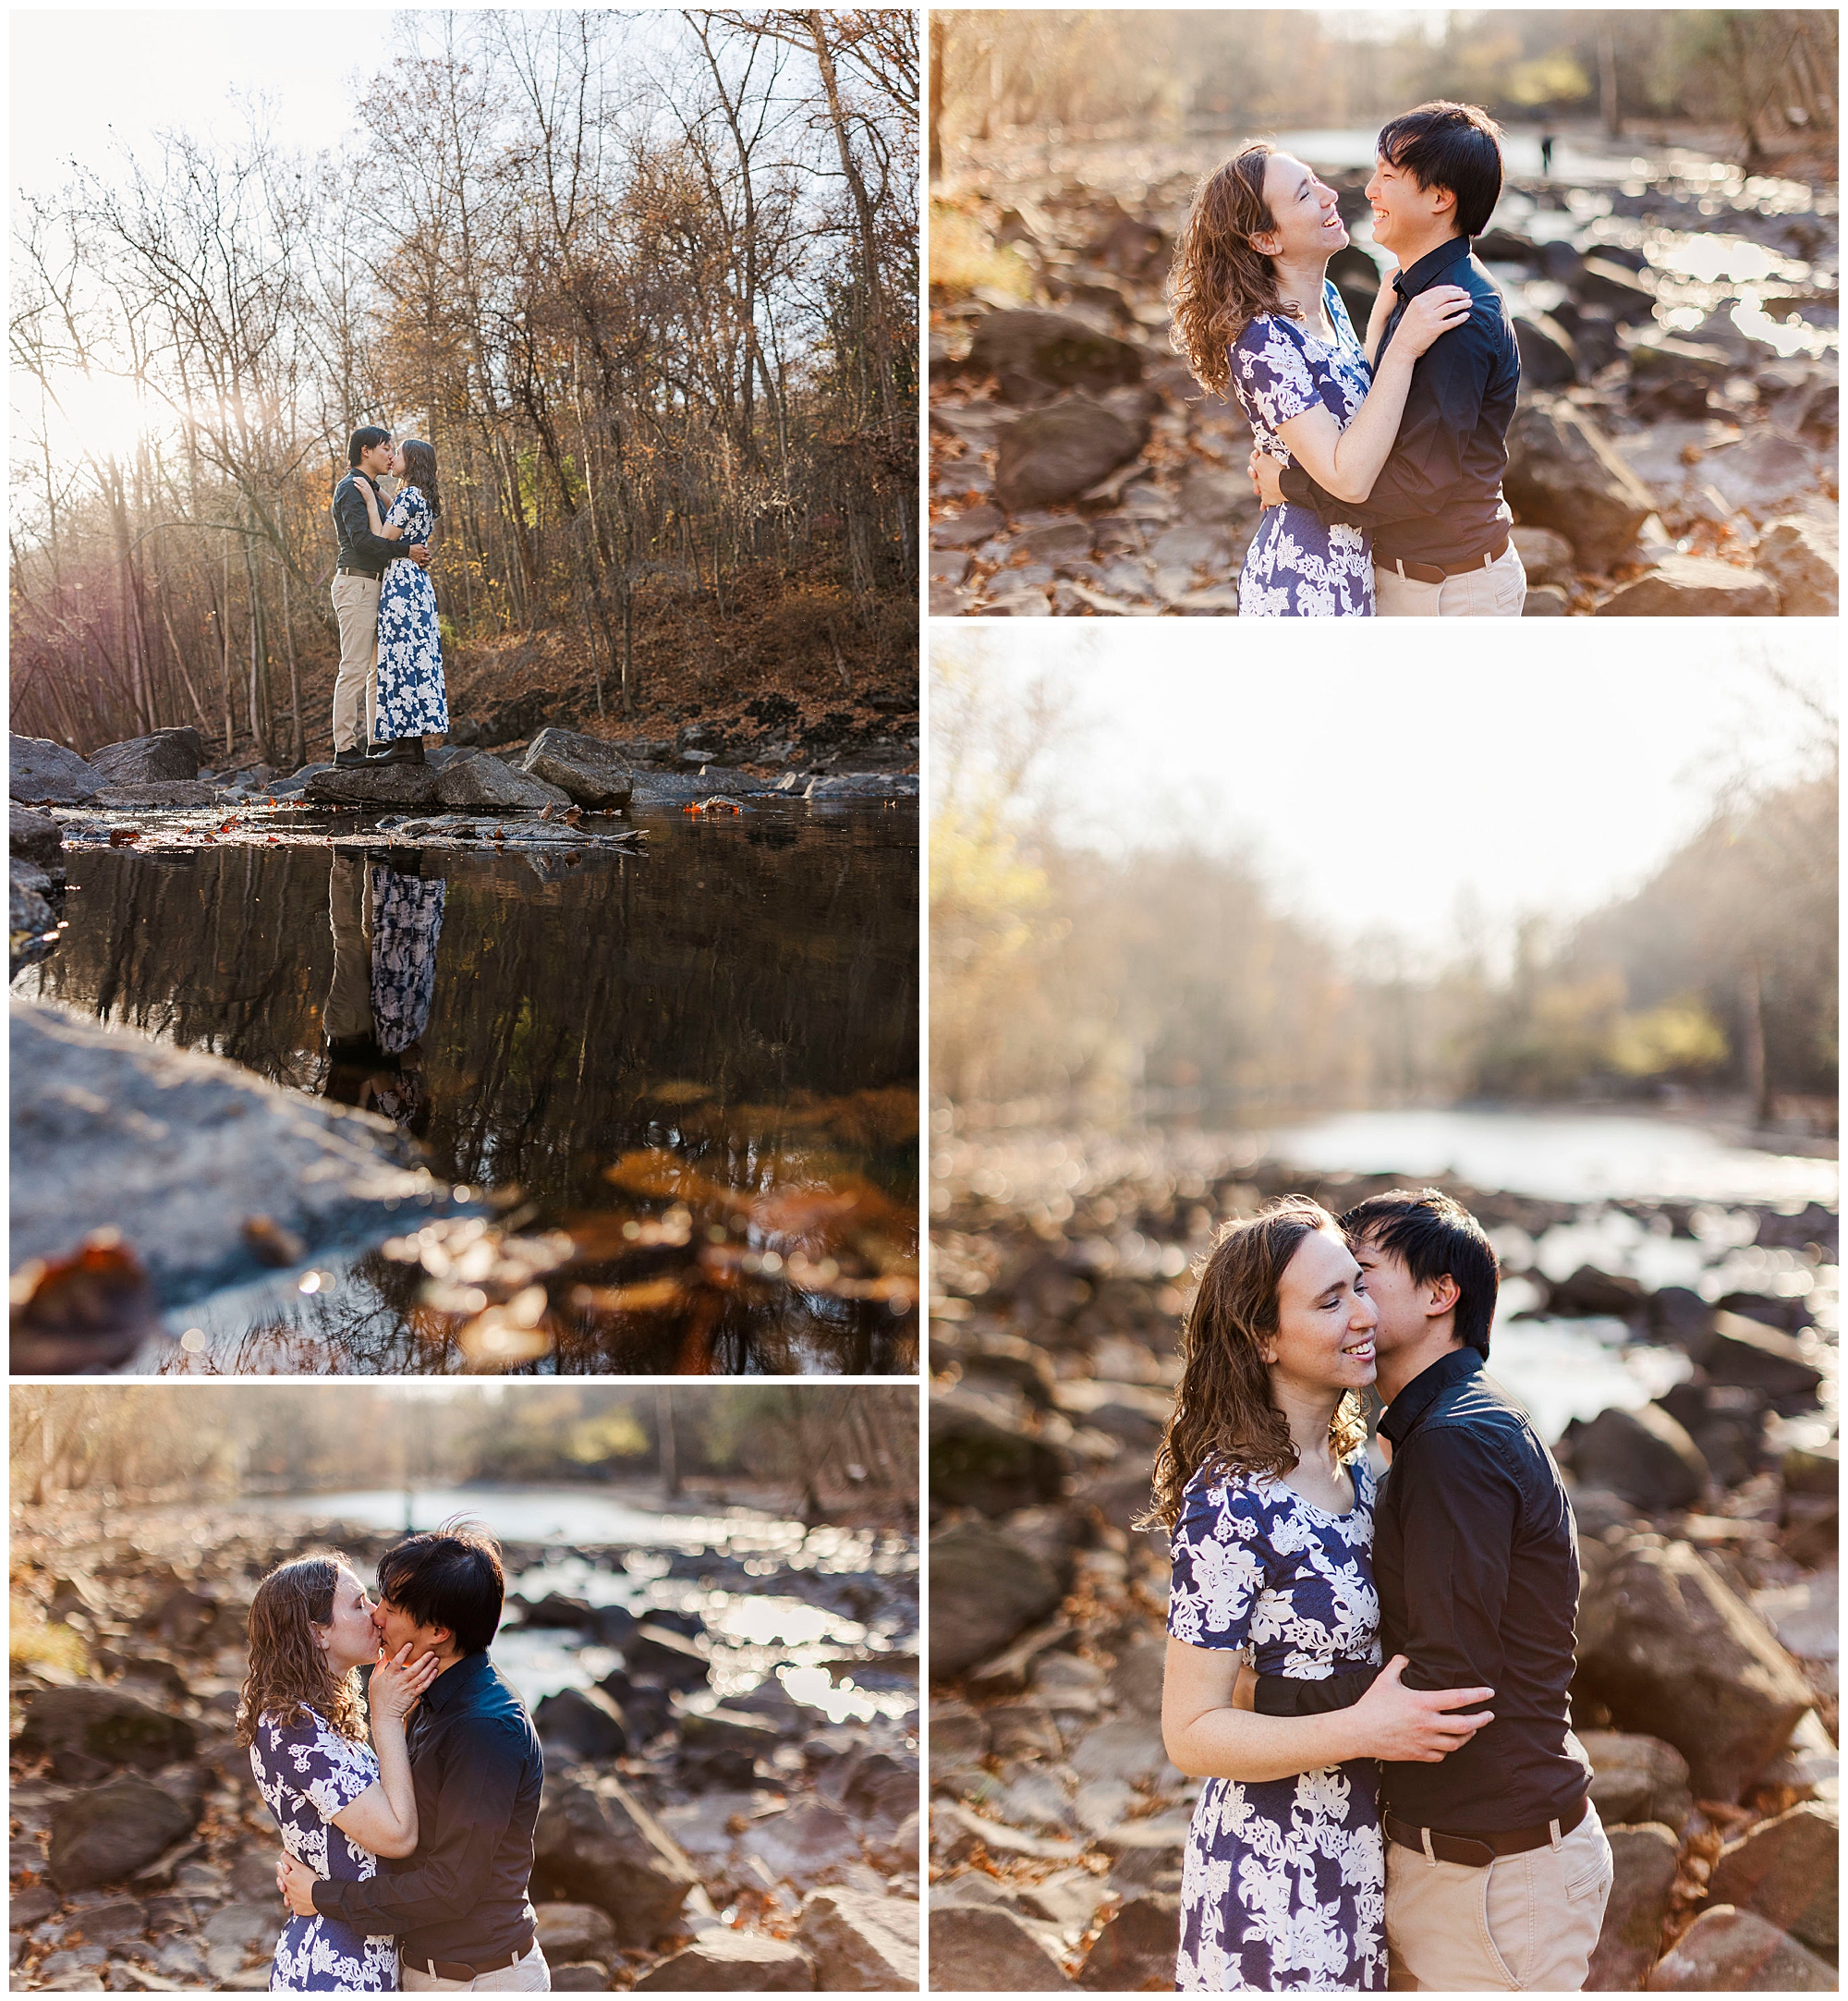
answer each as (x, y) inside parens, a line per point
(389, 690)
(1379, 464)
(1353, 1809)
(446, 1794)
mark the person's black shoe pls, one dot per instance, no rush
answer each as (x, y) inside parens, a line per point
(406, 750)
(346, 759)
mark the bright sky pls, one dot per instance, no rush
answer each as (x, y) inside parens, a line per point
(85, 78)
(1422, 768)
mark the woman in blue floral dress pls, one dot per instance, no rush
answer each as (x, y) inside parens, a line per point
(1259, 318)
(339, 1801)
(1263, 1485)
(413, 701)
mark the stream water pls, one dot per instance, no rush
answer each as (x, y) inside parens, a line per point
(741, 996)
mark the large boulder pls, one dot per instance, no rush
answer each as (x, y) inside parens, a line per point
(593, 773)
(1643, 1861)
(976, 1462)
(601, 1845)
(1678, 375)
(1136, 1948)
(656, 1653)
(585, 1721)
(1635, 1779)
(41, 772)
(171, 753)
(1730, 1951)
(1803, 560)
(860, 1944)
(1057, 454)
(35, 837)
(1563, 474)
(1545, 554)
(1603, 282)
(1670, 1650)
(478, 780)
(1762, 473)
(1549, 355)
(372, 785)
(805, 1842)
(1746, 1354)
(1642, 1455)
(1033, 355)
(105, 1723)
(1692, 587)
(573, 1931)
(724, 1961)
(984, 1949)
(106, 1834)
(983, 1591)
(1786, 1871)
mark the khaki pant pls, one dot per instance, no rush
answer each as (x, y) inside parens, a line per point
(349, 916)
(355, 686)
(1524, 1923)
(530, 1976)
(1498, 591)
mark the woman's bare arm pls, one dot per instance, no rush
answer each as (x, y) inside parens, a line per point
(383, 1820)
(386, 531)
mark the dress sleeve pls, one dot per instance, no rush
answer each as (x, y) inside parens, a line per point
(328, 1770)
(404, 514)
(1270, 366)
(1221, 1554)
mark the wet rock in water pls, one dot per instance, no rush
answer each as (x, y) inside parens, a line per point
(573, 1931)
(582, 1720)
(1058, 453)
(1563, 474)
(32, 922)
(860, 1944)
(805, 1841)
(1136, 1948)
(478, 779)
(1762, 473)
(41, 772)
(166, 1145)
(1727, 1426)
(599, 1845)
(106, 1834)
(1787, 1871)
(1747, 1355)
(1671, 1649)
(165, 792)
(1033, 355)
(170, 753)
(1678, 1313)
(1643, 1861)
(976, 1462)
(723, 1962)
(1548, 354)
(1692, 587)
(593, 773)
(1636, 1778)
(983, 1592)
(983, 1949)
(105, 1724)
(372, 785)
(1545, 555)
(720, 1748)
(659, 1653)
(1644, 1455)
(36, 837)
(1589, 1290)
(1730, 1951)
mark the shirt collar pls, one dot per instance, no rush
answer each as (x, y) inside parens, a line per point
(454, 1683)
(1402, 1415)
(1408, 284)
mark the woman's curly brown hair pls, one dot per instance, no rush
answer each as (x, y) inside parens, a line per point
(420, 471)
(1219, 281)
(1225, 1420)
(288, 1671)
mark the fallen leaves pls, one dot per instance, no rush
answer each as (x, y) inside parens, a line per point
(85, 1313)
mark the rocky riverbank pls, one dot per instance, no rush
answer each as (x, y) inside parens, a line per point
(1674, 452)
(1706, 1692)
(682, 1843)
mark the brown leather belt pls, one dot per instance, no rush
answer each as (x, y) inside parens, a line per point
(1430, 573)
(455, 1970)
(342, 570)
(1476, 1851)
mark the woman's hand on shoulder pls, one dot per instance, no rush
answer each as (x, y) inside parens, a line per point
(396, 1684)
(1414, 1725)
(1431, 314)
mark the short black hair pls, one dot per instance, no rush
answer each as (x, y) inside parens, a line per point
(449, 1577)
(1454, 146)
(1433, 1238)
(368, 435)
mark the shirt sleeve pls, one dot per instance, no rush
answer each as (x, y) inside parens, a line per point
(329, 1771)
(1221, 1555)
(1467, 1508)
(450, 1874)
(1270, 366)
(349, 511)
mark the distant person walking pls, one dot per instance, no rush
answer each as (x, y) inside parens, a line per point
(412, 701)
(359, 571)
(1547, 155)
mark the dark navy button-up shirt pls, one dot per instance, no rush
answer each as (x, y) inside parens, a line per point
(1475, 1558)
(360, 548)
(476, 1761)
(1438, 498)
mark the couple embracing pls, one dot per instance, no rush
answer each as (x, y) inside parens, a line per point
(1379, 461)
(389, 691)
(1393, 1787)
(407, 1849)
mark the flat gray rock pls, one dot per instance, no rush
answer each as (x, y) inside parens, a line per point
(36, 837)
(480, 780)
(43, 773)
(594, 772)
(180, 1152)
(168, 754)
(162, 792)
(372, 785)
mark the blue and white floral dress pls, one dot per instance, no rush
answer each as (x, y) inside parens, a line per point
(307, 1773)
(1296, 568)
(1284, 1883)
(412, 699)
(407, 923)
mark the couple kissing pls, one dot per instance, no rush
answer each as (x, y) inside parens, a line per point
(1393, 1772)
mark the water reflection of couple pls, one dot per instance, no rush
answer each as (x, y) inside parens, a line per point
(1379, 463)
(445, 1795)
(386, 917)
(1438, 1804)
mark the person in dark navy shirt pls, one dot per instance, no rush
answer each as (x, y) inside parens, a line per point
(1435, 517)
(1476, 1559)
